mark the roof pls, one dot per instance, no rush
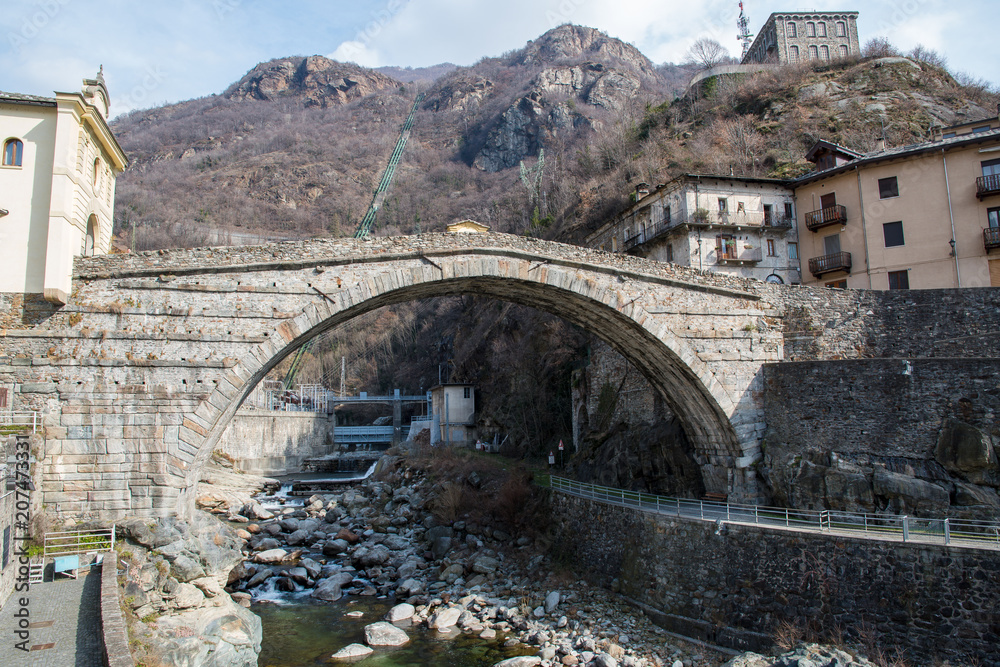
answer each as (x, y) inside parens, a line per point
(833, 148)
(467, 226)
(911, 150)
(34, 100)
(812, 13)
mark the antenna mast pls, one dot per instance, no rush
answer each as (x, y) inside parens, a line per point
(744, 25)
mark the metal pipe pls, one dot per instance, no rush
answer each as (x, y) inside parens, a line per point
(951, 214)
(864, 228)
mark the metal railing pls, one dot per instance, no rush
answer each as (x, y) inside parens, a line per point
(20, 421)
(988, 185)
(831, 215)
(704, 218)
(887, 527)
(71, 542)
(991, 238)
(731, 252)
(838, 261)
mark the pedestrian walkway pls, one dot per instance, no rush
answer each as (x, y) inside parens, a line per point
(64, 624)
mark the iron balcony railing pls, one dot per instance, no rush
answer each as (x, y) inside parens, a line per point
(831, 215)
(838, 261)
(706, 219)
(886, 527)
(991, 237)
(987, 186)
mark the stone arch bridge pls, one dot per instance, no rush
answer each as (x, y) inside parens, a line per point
(141, 371)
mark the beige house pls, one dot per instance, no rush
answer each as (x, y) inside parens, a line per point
(57, 186)
(453, 407)
(790, 38)
(918, 217)
(726, 224)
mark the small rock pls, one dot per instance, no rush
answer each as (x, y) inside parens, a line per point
(352, 652)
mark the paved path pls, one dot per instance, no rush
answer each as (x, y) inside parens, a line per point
(65, 628)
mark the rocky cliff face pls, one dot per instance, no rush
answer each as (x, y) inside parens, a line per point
(574, 42)
(317, 80)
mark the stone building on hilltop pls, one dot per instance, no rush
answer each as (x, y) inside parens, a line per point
(57, 178)
(794, 37)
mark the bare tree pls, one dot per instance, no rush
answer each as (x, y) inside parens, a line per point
(706, 53)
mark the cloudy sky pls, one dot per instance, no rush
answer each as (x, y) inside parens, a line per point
(155, 52)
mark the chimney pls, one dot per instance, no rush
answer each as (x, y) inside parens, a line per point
(641, 191)
(880, 145)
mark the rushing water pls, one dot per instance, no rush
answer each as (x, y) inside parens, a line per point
(303, 634)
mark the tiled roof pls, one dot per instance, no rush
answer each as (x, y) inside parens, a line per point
(902, 151)
(18, 98)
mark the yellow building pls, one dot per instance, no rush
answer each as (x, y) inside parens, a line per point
(57, 186)
(918, 217)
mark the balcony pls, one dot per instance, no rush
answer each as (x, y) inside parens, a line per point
(987, 186)
(832, 215)
(838, 261)
(736, 253)
(991, 238)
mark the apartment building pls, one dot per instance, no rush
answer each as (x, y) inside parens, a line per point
(789, 38)
(57, 186)
(921, 216)
(726, 224)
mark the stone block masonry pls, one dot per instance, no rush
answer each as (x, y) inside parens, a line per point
(736, 586)
(268, 443)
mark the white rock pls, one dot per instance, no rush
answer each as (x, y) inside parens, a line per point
(401, 612)
(551, 601)
(352, 652)
(385, 634)
(187, 596)
(271, 556)
(521, 661)
(446, 618)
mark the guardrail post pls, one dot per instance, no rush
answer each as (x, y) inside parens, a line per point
(947, 531)
(701, 505)
(756, 518)
(727, 511)
(786, 517)
(906, 528)
(678, 507)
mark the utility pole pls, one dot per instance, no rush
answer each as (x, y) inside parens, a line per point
(343, 375)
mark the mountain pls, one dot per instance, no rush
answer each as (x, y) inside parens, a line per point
(316, 80)
(418, 74)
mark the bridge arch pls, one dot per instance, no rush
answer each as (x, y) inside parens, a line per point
(596, 302)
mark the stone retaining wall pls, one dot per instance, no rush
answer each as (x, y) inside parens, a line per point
(269, 443)
(116, 649)
(735, 587)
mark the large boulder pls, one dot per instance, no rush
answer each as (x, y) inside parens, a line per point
(401, 612)
(226, 635)
(384, 634)
(909, 494)
(330, 589)
(445, 618)
(967, 451)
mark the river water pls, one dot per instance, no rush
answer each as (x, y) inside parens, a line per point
(299, 633)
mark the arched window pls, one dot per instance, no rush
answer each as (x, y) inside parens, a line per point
(821, 26)
(841, 29)
(824, 52)
(810, 29)
(843, 50)
(13, 150)
(793, 54)
(791, 31)
(813, 52)
(97, 175)
(91, 240)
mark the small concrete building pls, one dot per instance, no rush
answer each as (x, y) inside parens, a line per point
(453, 407)
(726, 224)
(922, 216)
(57, 186)
(794, 37)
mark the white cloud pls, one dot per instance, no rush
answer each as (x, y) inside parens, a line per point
(358, 53)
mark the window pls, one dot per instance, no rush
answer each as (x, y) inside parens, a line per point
(793, 250)
(3, 397)
(893, 232)
(821, 28)
(792, 32)
(740, 207)
(828, 201)
(771, 252)
(810, 29)
(824, 52)
(666, 215)
(467, 392)
(991, 168)
(977, 130)
(837, 284)
(90, 240)
(948, 135)
(13, 150)
(670, 253)
(843, 51)
(789, 213)
(768, 215)
(899, 280)
(723, 206)
(993, 215)
(793, 54)
(813, 53)
(831, 244)
(842, 30)
(888, 187)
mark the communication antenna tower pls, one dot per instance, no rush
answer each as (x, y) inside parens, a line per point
(744, 25)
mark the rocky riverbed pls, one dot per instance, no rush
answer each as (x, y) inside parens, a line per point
(189, 586)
